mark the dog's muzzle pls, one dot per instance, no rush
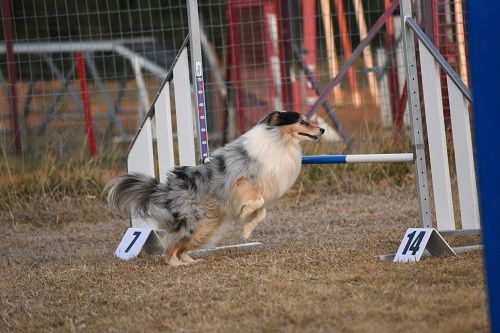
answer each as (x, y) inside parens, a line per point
(314, 137)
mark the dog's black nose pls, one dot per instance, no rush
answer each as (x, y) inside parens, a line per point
(322, 130)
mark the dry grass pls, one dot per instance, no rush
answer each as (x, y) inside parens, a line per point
(316, 273)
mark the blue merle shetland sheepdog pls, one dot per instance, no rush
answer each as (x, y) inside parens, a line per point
(238, 183)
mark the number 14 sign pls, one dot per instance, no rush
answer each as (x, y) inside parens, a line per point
(416, 240)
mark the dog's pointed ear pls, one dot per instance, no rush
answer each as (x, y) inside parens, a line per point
(281, 118)
(270, 118)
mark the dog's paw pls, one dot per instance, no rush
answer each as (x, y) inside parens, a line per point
(187, 260)
(176, 263)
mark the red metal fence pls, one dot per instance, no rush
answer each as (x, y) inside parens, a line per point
(262, 55)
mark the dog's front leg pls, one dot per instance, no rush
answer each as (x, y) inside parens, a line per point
(251, 207)
(247, 198)
(256, 218)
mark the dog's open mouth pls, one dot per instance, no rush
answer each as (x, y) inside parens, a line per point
(314, 137)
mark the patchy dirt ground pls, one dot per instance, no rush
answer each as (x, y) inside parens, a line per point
(316, 273)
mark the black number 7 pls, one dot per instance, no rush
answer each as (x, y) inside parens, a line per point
(413, 245)
(136, 234)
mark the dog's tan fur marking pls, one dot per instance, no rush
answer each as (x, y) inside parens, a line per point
(292, 131)
(205, 232)
(245, 189)
(289, 131)
(202, 235)
(246, 198)
(249, 204)
(256, 218)
(176, 253)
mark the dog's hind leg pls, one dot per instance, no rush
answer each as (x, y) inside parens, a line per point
(204, 232)
(256, 218)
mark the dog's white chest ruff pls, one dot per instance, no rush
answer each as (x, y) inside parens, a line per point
(280, 163)
(278, 175)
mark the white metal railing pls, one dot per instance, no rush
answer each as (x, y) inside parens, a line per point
(90, 46)
(137, 61)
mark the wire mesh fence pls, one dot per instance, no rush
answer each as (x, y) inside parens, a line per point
(74, 69)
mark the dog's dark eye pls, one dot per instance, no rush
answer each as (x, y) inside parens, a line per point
(302, 122)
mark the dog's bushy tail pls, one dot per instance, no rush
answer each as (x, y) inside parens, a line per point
(131, 193)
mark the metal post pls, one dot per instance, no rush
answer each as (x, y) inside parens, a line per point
(347, 49)
(64, 78)
(392, 74)
(310, 58)
(234, 68)
(89, 127)
(197, 73)
(271, 39)
(104, 93)
(333, 65)
(367, 52)
(427, 18)
(417, 134)
(11, 75)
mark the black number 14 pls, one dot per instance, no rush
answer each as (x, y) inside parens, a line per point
(136, 234)
(413, 245)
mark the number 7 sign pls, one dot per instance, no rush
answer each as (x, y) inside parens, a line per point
(416, 240)
(132, 243)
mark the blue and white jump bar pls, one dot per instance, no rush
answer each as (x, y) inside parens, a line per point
(361, 158)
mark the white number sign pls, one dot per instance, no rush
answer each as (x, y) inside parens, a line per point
(132, 243)
(413, 245)
(416, 240)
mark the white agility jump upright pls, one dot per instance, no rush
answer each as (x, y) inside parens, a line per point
(141, 157)
(431, 62)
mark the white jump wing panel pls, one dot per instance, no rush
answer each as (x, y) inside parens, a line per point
(164, 138)
(436, 134)
(184, 111)
(140, 159)
(464, 159)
